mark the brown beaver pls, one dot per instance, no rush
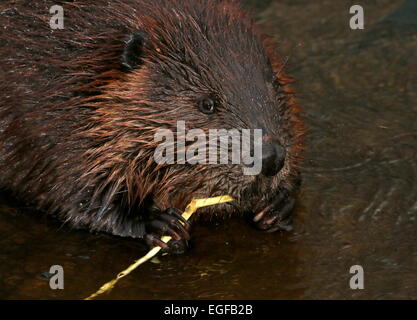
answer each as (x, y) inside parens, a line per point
(79, 108)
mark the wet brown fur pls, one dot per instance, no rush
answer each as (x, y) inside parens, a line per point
(77, 128)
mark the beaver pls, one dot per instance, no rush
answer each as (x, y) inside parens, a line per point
(80, 105)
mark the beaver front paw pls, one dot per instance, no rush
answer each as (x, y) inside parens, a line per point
(276, 216)
(168, 223)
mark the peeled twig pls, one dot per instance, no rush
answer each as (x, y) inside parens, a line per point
(191, 208)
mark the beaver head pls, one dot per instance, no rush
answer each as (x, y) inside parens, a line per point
(206, 67)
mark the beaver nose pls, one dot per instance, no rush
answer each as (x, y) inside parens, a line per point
(273, 158)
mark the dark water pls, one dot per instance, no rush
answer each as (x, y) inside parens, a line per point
(358, 203)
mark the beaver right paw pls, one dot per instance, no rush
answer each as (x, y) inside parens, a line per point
(168, 223)
(276, 216)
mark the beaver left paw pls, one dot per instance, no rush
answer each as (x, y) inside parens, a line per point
(276, 216)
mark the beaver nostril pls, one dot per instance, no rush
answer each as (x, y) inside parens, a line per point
(273, 159)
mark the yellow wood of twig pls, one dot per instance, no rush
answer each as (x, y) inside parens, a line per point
(191, 208)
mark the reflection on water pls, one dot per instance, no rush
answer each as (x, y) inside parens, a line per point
(358, 203)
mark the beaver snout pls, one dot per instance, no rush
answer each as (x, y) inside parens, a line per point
(273, 158)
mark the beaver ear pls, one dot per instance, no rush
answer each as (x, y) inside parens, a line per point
(133, 50)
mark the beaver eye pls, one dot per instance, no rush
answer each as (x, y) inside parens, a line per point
(207, 106)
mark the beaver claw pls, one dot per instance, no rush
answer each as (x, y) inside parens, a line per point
(168, 223)
(276, 216)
